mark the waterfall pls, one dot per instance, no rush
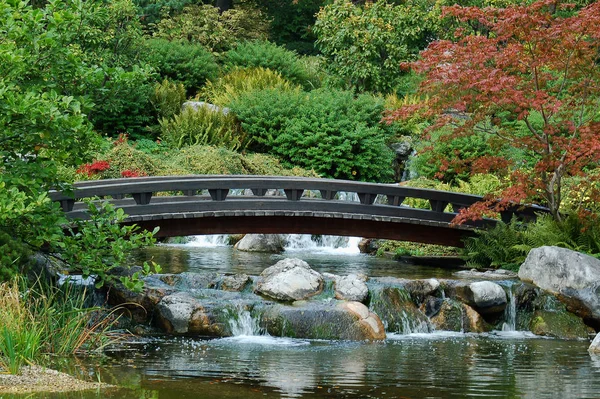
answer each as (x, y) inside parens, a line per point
(510, 313)
(215, 240)
(338, 244)
(242, 323)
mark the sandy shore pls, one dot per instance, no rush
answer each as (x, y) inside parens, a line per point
(39, 379)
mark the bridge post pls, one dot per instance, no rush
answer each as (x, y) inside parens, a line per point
(293, 194)
(142, 198)
(218, 194)
(328, 194)
(367, 198)
(395, 200)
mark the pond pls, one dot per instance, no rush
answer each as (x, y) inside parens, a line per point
(509, 364)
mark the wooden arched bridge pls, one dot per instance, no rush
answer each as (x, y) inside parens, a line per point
(250, 204)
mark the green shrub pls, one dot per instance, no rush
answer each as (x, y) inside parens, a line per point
(167, 99)
(122, 100)
(202, 127)
(331, 132)
(239, 81)
(269, 55)
(180, 61)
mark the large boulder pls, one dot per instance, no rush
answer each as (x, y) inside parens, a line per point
(572, 276)
(352, 287)
(397, 310)
(181, 313)
(289, 280)
(323, 320)
(456, 316)
(488, 297)
(270, 243)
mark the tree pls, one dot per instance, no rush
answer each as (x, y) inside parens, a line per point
(365, 44)
(532, 82)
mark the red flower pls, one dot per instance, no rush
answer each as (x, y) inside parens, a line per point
(132, 173)
(91, 169)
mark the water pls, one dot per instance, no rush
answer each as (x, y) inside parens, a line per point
(501, 364)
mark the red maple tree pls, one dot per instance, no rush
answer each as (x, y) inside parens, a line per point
(532, 80)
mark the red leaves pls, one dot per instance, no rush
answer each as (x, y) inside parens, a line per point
(536, 69)
(91, 169)
(132, 173)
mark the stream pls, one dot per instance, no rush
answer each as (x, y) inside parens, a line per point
(442, 364)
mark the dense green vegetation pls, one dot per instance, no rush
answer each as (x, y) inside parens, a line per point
(94, 89)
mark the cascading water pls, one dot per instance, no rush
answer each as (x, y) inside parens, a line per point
(510, 313)
(242, 323)
(338, 244)
(215, 240)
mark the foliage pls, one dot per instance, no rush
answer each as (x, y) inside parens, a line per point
(239, 81)
(41, 319)
(531, 85)
(96, 246)
(291, 22)
(271, 56)
(184, 62)
(202, 126)
(405, 248)
(211, 160)
(331, 132)
(366, 44)
(507, 245)
(168, 98)
(150, 12)
(204, 25)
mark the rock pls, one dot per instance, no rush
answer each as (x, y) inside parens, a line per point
(499, 274)
(431, 306)
(368, 245)
(595, 346)
(419, 289)
(558, 324)
(324, 320)
(572, 276)
(181, 313)
(351, 288)
(196, 105)
(270, 243)
(457, 316)
(237, 282)
(397, 311)
(140, 305)
(488, 297)
(289, 280)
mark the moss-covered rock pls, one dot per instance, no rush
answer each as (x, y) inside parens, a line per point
(558, 324)
(457, 316)
(397, 310)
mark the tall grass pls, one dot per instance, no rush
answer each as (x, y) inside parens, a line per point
(41, 319)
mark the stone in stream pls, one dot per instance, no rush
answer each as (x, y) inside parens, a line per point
(323, 320)
(572, 276)
(595, 345)
(289, 280)
(456, 316)
(352, 287)
(269, 243)
(397, 310)
(236, 282)
(486, 297)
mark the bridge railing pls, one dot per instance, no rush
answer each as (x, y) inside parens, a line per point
(143, 189)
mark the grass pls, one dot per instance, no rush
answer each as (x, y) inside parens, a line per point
(40, 319)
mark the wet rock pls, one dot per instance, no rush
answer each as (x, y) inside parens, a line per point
(323, 320)
(558, 324)
(289, 280)
(499, 274)
(488, 297)
(419, 289)
(595, 346)
(572, 276)
(237, 282)
(351, 288)
(181, 313)
(457, 316)
(431, 306)
(270, 243)
(397, 311)
(188, 280)
(139, 306)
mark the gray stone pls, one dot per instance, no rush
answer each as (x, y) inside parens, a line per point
(488, 297)
(419, 289)
(237, 282)
(181, 313)
(270, 243)
(499, 274)
(595, 346)
(196, 105)
(289, 280)
(324, 320)
(351, 288)
(572, 276)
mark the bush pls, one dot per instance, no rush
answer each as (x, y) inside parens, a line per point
(168, 98)
(239, 81)
(332, 133)
(202, 126)
(269, 55)
(179, 61)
